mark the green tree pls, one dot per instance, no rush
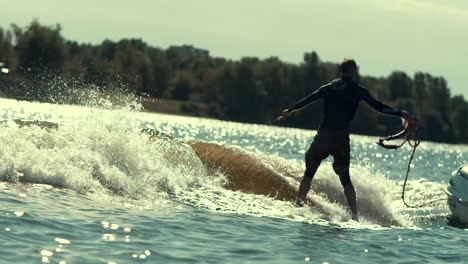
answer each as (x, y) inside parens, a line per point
(400, 86)
(40, 47)
(7, 54)
(181, 86)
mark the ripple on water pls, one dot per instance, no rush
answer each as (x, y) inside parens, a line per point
(96, 225)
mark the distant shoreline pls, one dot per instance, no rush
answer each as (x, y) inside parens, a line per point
(175, 108)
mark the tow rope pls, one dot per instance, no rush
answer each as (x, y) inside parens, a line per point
(412, 135)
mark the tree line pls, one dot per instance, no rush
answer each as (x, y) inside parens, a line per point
(250, 90)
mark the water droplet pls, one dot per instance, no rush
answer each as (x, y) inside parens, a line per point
(147, 252)
(127, 229)
(46, 253)
(366, 250)
(110, 237)
(19, 213)
(62, 240)
(105, 224)
(307, 259)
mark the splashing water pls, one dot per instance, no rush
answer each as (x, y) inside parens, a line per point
(100, 157)
(105, 152)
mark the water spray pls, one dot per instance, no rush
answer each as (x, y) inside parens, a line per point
(3, 69)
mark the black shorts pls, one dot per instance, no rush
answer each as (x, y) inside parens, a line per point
(330, 142)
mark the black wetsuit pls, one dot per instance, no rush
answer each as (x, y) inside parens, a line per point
(341, 100)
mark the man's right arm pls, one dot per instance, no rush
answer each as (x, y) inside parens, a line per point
(307, 100)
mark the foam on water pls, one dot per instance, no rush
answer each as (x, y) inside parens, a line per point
(102, 152)
(92, 158)
(378, 197)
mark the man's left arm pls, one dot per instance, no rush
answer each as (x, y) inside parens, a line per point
(379, 106)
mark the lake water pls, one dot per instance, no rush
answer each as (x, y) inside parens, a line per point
(97, 190)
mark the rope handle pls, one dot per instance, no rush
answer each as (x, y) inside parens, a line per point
(412, 135)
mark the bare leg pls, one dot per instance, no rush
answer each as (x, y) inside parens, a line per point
(304, 188)
(350, 194)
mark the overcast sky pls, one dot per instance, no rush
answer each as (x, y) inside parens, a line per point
(382, 35)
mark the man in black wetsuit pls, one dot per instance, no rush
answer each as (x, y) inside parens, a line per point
(341, 99)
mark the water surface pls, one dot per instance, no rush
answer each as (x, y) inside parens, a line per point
(96, 190)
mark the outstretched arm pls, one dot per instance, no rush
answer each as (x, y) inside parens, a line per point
(379, 106)
(307, 100)
(302, 103)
